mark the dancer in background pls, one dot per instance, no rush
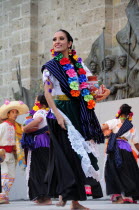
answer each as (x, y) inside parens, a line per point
(121, 169)
(10, 135)
(36, 140)
(74, 129)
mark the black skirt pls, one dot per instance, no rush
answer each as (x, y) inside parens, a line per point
(38, 168)
(125, 179)
(95, 185)
(65, 175)
(69, 108)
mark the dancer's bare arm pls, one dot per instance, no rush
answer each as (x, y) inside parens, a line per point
(50, 101)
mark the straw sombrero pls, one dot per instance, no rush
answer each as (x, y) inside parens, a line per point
(9, 105)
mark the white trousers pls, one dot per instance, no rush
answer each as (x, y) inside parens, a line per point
(8, 167)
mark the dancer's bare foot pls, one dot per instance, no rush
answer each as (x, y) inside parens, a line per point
(4, 202)
(47, 202)
(75, 205)
(118, 201)
(61, 202)
(44, 202)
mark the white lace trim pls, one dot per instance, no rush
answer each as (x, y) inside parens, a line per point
(28, 170)
(81, 147)
(91, 147)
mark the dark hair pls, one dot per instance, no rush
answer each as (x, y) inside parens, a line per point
(69, 37)
(125, 109)
(11, 110)
(41, 98)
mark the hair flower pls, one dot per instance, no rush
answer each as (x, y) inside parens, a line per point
(82, 78)
(35, 108)
(88, 98)
(64, 61)
(83, 85)
(131, 114)
(85, 92)
(37, 103)
(91, 104)
(71, 73)
(73, 52)
(74, 85)
(81, 71)
(52, 52)
(75, 93)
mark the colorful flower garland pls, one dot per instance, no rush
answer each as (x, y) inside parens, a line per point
(77, 80)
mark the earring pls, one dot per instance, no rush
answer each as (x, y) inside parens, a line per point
(52, 52)
(70, 52)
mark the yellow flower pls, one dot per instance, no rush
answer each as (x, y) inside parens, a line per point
(75, 57)
(35, 108)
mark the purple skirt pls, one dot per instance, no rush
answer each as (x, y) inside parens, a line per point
(123, 144)
(42, 140)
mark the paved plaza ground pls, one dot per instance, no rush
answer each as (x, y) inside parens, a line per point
(99, 204)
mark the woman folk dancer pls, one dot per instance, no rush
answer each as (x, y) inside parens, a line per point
(121, 169)
(36, 140)
(74, 128)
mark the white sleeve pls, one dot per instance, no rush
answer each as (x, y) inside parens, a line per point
(112, 123)
(2, 126)
(88, 72)
(40, 113)
(135, 136)
(3, 129)
(45, 75)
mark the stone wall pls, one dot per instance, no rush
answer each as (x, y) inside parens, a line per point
(27, 28)
(18, 45)
(84, 19)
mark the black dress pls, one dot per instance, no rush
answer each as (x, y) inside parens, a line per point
(125, 179)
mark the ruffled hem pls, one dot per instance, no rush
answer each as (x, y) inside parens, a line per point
(82, 148)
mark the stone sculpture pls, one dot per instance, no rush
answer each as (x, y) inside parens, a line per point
(107, 76)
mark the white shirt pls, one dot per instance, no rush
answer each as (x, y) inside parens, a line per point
(7, 134)
(41, 113)
(130, 135)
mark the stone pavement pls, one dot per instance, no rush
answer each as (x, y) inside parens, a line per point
(99, 204)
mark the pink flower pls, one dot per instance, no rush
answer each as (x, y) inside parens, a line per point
(6, 102)
(71, 73)
(83, 85)
(21, 102)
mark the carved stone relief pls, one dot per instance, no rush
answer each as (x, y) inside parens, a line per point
(119, 74)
